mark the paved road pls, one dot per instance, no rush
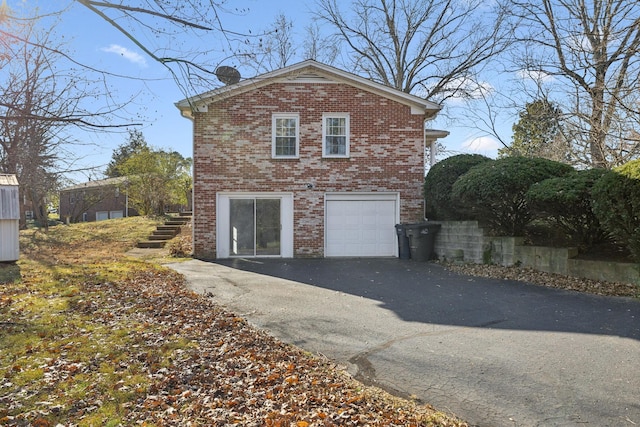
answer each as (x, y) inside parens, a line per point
(496, 353)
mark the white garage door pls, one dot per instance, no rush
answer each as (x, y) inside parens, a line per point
(102, 215)
(361, 225)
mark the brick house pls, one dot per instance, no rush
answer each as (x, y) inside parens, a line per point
(95, 200)
(306, 161)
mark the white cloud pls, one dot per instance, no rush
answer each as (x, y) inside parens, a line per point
(463, 89)
(535, 75)
(482, 144)
(127, 54)
(467, 89)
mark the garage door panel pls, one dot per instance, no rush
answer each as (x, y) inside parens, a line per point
(370, 220)
(349, 235)
(386, 210)
(361, 227)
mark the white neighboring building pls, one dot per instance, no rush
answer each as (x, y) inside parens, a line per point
(9, 219)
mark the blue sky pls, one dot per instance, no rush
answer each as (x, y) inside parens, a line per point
(153, 91)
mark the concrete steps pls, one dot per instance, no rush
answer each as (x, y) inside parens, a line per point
(163, 233)
(151, 244)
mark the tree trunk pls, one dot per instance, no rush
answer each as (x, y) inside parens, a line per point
(597, 133)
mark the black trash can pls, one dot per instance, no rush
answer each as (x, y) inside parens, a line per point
(404, 252)
(422, 239)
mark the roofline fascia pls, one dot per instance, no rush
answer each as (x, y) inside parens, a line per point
(198, 102)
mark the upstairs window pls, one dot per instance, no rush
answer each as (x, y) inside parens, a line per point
(335, 135)
(285, 139)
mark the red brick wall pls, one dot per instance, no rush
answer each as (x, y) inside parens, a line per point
(232, 152)
(74, 203)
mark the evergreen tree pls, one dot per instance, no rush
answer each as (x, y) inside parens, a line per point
(537, 133)
(135, 144)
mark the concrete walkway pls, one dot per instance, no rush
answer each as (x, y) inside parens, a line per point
(495, 353)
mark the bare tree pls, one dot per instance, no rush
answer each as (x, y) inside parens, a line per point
(434, 48)
(39, 101)
(165, 29)
(279, 44)
(274, 49)
(282, 42)
(318, 47)
(589, 50)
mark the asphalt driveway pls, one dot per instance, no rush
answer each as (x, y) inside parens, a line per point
(494, 352)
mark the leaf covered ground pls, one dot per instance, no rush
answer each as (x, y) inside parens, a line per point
(92, 337)
(550, 280)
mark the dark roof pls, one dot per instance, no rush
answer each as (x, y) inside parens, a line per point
(97, 183)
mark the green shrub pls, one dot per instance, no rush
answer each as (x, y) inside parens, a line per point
(566, 201)
(439, 181)
(495, 192)
(616, 203)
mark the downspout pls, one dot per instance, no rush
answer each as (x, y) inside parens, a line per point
(430, 137)
(188, 113)
(424, 168)
(432, 153)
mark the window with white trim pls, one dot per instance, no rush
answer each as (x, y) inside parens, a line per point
(335, 135)
(285, 136)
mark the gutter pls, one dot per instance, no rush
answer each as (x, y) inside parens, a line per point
(430, 138)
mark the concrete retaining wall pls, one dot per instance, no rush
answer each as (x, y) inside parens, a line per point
(465, 241)
(461, 241)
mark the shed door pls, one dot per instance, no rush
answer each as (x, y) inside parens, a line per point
(361, 225)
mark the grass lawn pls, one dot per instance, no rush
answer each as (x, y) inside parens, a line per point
(90, 336)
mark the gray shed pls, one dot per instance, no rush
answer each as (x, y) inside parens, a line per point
(9, 218)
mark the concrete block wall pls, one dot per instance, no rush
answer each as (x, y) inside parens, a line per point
(465, 241)
(601, 270)
(542, 258)
(504, 250)
(461, 241)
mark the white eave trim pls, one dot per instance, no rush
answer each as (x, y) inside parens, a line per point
(435, 134)
(301, 72)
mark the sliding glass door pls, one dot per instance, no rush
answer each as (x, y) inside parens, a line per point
(254, 227)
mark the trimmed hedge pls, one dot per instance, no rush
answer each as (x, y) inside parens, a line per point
(616, 203)
(567, 201)
(495, 192)
(440, 180)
